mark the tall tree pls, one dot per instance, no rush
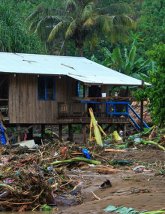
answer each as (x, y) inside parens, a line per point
(81, 22)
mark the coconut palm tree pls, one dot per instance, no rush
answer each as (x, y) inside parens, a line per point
(80, 21)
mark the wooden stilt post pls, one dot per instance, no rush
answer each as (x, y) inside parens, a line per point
(30, 133)
(60, 132)
(70, 132)
(19, 133)
(124, 131)
(42, 131)
(141, 110)
(84, 133)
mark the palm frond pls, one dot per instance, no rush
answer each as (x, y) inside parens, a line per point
(132, 54)
(123, 20)
(87, 11)
(71, 29)
(117, 59)
(94, 40)
(114, 8)
(35, 14)
(104, 23)
(55, 31)
(107, 23)
(33, 26)
(70, 5)
(89, 22)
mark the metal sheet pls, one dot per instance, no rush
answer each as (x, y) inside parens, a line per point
(78, 68)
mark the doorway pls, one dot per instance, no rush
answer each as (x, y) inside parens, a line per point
(94, 91)
(4, 93)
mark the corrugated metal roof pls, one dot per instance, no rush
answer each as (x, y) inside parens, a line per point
(78, 68)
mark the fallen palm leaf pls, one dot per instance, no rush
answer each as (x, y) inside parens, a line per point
(153, 143)
(77, 159)
(155, 212)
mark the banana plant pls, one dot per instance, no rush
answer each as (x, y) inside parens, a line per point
(126, 62)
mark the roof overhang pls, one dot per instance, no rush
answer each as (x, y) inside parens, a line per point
(79, 68)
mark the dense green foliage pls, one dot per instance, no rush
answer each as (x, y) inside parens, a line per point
(14, 36)
(125, 61)
(96, 29)
(151, 24)
(157, 91)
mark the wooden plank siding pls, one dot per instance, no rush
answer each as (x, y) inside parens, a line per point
(26, 108)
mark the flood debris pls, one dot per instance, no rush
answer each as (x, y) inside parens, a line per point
(150, 136)
(38, 177)
(95, 129)
(29, 178)
(128, 210)
(106, 184)
(30, 144)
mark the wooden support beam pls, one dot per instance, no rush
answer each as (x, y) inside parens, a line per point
(141, 110)
(18, 136)
(42, 131)
(70, 132)
(84, 133)
(125, 131)
(60, 132)
(30, 133)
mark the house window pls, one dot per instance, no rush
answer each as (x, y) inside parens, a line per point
(80, 90)
(46, 88)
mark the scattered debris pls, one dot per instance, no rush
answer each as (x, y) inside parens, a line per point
(139, 169)
(94, 127)
(117, 137)
(106, 184)
(37, 177)
(30, 144)
(115, 150)
(120, 210)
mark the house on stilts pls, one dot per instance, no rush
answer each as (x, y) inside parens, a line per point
(48, 90)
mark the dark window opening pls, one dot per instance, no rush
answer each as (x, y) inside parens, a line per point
(46, 88)
(4, 86)
(94, 91)
(80, 90)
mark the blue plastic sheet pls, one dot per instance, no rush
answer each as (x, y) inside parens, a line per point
(2, 135)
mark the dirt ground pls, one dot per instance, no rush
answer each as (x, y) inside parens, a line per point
(139, 190)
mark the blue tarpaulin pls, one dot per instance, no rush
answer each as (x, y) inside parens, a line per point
(2, 135)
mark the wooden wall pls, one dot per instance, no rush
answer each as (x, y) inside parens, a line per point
(24, 105)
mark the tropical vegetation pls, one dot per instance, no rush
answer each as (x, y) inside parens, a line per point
(126, 35)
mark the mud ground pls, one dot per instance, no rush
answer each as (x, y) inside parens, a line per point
(141, 191)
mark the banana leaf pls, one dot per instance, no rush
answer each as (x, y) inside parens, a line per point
(77, 159)
(96, 129)
(154, 212)
(153, 143)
